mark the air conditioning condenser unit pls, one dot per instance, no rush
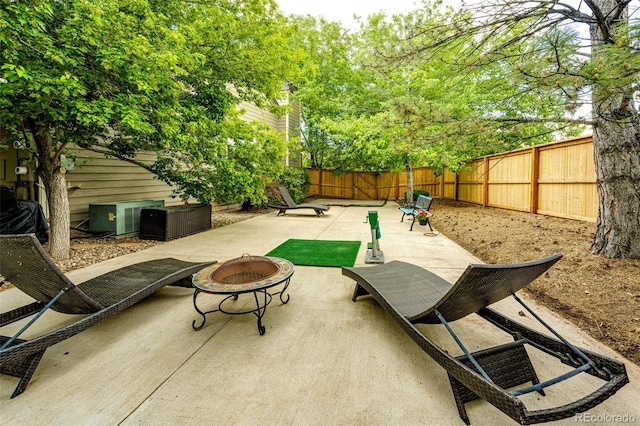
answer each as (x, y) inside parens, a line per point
(122, 217)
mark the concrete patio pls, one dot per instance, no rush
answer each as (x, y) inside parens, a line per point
(324, 359)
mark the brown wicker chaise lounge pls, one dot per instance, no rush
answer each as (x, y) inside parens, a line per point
(411, 295)
(26, 265)
(289, 204)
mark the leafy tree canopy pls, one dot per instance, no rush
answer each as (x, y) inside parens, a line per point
(395, 103)
(121, 76)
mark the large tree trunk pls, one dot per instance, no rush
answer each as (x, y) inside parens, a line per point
(55, 184)
(617, 160)
(409, 176)
(616, 143)
(59, 218)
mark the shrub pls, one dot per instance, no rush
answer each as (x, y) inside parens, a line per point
(416, 194)
(297, 182)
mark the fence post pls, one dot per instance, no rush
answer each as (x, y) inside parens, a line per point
(485, 182)
(455, 187)
(535, 174)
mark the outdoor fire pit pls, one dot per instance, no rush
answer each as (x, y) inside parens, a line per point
(246, 274)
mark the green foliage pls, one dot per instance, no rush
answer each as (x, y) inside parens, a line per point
(233, 172)
(442, 112)
(417, 89)
(417, 193)
(297, 181)
(119, 77)
(336, 103)
(324, 83)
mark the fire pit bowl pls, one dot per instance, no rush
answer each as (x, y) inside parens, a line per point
(242, 274)
(244, 270)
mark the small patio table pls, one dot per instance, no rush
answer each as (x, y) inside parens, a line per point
(204, 282)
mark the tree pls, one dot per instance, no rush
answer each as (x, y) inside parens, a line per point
(540, 51)
(388, 109)
(343, 113)
(118, 77)
(324, 88)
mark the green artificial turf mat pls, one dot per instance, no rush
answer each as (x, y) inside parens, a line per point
(318, 252)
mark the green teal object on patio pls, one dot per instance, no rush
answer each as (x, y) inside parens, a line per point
(318, 252)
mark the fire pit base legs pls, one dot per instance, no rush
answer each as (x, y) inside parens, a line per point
(259, 311)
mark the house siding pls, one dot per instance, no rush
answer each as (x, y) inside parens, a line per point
(294, 158)
(253, 113)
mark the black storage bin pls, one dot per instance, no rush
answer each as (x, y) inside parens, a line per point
(168, 223)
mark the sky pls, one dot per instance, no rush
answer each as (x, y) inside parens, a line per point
(343, 10)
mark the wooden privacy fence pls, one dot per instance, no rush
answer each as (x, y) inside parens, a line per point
(556, 179)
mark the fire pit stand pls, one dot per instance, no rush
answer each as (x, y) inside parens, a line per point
(246, 274)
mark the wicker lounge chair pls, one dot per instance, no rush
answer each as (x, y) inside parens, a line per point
(414, 295)
(289, 204)
(27, 266)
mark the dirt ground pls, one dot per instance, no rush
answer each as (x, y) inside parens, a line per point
(599, 295)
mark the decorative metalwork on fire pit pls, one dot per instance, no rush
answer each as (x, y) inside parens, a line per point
(246, 274)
